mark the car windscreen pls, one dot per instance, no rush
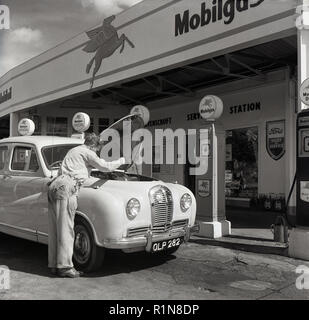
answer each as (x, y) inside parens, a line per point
(54, 155)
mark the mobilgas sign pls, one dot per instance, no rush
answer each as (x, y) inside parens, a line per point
(211, 12)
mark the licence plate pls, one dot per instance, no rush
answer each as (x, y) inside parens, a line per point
(166, 244)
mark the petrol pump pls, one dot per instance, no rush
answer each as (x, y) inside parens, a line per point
(299, 236)
(210, 183)
(302, 175)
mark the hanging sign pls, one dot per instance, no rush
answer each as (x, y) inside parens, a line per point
(141, 111)
(304, 92)
(275, 138)
(81, 122)
(211, 107)
(26, 127)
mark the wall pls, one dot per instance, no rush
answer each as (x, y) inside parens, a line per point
(272, 96)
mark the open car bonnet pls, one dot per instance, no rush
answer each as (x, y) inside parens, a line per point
(118, 147)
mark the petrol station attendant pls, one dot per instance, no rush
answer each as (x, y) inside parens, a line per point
(62, 202)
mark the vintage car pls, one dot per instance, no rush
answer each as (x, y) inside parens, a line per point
(116, 210)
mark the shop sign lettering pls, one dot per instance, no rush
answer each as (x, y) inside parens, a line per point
(159, 122)
(211, 12)
(247, 107)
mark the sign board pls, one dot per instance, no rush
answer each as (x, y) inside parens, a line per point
(26, 127)
(152, 37)
(204, 188)
(275, 139)
(211, 107)
(205, 149)
(143, 112)
(304, 92)
(304, 191)
(81, 122)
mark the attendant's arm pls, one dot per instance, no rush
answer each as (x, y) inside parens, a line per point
(103, 165)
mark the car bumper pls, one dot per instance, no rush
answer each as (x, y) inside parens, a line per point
(145, 242)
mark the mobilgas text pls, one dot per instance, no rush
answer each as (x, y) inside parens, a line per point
(211, 12)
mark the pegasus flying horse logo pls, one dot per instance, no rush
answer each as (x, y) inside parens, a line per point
(104, 41)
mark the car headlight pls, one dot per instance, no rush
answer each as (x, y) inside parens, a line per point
(133, 208)
(185, 202)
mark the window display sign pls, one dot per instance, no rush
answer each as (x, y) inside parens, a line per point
(161, 168)
(204, 188)
(228, 154)
(275, 139)
(241, 175)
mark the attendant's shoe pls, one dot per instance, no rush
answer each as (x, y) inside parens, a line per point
(69, 273)
(54, 271)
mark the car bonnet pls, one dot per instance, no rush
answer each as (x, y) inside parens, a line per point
(127, 124)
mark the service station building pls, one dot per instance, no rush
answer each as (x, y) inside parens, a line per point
(167, 55)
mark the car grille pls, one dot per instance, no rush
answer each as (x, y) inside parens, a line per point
(180, 223)
(142, 231)
(137, 231)
(161, 201)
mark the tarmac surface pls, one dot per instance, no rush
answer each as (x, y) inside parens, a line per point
(195, 271)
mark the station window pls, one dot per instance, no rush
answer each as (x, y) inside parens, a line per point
(4, 127)
(25, 159)
(57, 126)
(3, 156)
(241, 175)
(38, 123)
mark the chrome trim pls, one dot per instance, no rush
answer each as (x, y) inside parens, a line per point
(161, 211)
(20, 229)
(142, 231)
(180, 223)
(148, 239)
(137, 231)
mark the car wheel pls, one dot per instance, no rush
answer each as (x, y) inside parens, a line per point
(87, 256)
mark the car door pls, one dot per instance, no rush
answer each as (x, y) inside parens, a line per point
(25, 191)
(4, 191)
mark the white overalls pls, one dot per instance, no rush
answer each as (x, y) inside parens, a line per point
(62, 202)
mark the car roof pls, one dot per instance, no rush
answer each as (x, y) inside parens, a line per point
(42, 141)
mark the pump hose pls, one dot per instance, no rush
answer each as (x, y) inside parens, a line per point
(288, 201)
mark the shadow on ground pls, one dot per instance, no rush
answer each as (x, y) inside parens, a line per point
(30, 257)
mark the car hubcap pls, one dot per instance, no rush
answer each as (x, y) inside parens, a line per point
(82, 245)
